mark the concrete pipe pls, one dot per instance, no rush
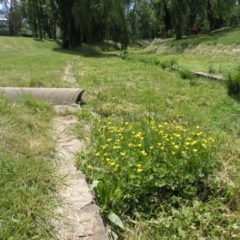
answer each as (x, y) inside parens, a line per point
(56, 96)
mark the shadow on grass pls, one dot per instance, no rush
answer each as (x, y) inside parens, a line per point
(99, 50)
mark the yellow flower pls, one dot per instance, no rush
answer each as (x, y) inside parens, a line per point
(139, 170)
(97, 154)
(197, 127)
(139, 145)
(151, 147)
(173, 153)
(139, 165)
(204, 145)
(109, 139)
(211, 139)
(112, 163)
(176, 146)
(89, 166)
(143, 153)
(122, 153)
(193, 143)
(159, 144)
(199, 133)
(162, 148)
(195, 150)
(116, 147)
(177, 135)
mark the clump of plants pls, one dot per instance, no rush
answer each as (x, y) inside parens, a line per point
(185, 73)
(137, 169)
(147, 59)
(233, 84)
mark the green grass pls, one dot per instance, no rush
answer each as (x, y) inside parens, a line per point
(187, 190)
(28, 182)
(137, 92)
(217, 51)
(29, 62)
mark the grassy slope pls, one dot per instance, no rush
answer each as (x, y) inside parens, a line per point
(28, 180)
(31, 62)
(129, 91)
(218, 51)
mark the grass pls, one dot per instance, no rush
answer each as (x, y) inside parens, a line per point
(28, 182)
(217, 51)
(177, 181)
(28, 62)
(137, 92)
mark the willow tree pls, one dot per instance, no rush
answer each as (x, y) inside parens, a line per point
(219, 10)
(101, 19)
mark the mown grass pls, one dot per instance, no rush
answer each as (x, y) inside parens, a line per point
(136, 93)
(33, 63)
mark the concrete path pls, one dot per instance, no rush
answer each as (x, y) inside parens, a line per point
(80, 217)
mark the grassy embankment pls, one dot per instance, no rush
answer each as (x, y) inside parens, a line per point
(29, 180)
(164, 149)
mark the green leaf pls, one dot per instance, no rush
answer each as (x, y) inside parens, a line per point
(116, 220)
(94, 184)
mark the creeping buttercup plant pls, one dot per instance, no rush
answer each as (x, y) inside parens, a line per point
(136, 167)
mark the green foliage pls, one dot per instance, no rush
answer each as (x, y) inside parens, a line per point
(196, 220)
(233, 84)
(147, 59)
(148, 164)
(185, 73)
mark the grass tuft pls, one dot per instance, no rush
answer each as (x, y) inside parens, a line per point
(233, 84)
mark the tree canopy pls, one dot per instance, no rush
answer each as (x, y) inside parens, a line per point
(78, 21)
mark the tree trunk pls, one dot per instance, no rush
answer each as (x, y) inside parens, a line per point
(178, 28)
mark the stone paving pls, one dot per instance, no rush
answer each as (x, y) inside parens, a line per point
(80, 218)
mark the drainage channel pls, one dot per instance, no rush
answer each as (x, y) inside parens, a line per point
(80, 218)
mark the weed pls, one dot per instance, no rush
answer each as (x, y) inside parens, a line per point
(185, 73)
(233, 84)
(163, 162)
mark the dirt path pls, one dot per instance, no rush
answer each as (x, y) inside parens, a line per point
(80, 217)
